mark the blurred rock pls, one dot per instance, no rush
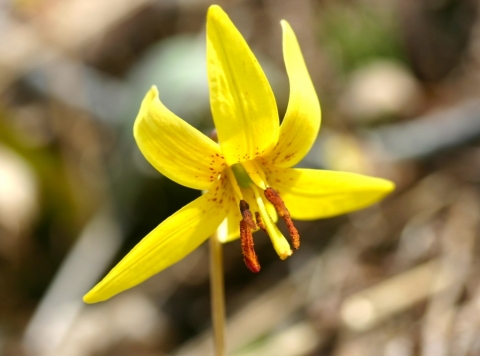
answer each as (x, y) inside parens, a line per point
(128, 318)
(18, 192)
(380, 90)
(177, 66)
(345, 152)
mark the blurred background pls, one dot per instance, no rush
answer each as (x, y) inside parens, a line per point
(399, 85)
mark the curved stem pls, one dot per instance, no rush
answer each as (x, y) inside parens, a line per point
(217, 295)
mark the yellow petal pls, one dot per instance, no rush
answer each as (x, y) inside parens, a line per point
(242, 102)
(300, 126)
(311, 194)
(168, 243)
(174, 147)
(233, 220)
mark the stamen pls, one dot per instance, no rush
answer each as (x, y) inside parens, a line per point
(273, 197)
(260, 223)
(292, 230)
(247, 214)
(249, 255)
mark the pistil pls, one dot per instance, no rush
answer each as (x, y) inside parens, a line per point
(280, 244)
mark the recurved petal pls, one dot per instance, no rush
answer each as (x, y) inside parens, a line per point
(174, 147)
(300, 126)
(242, 102)
(311, 194)
(168, 243)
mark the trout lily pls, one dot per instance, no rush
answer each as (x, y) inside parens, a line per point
(246, 176)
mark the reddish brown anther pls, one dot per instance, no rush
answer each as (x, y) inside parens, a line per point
(292, 230)
(247, 214)
(249, 255)
(273, 197)
(260, 223)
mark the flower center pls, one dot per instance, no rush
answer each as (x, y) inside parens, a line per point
(248, 181)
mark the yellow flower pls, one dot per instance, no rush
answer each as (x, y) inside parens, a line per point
(246, 175)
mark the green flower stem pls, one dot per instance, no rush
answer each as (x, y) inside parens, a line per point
(217, 295)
